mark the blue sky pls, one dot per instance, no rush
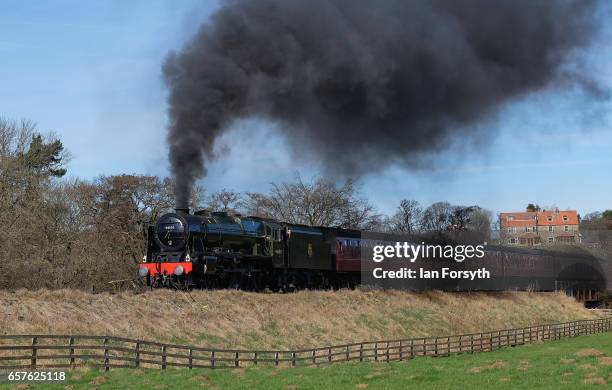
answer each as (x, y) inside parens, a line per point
(90, 72)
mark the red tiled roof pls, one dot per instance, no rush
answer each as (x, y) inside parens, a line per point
(556, 218)
(520, 219)
(541, 218)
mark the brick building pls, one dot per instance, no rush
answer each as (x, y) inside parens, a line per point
(539, 227)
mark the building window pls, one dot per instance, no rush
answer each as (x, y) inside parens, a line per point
(549, 218)
(512, 241)
(551, 239)
(527, 229)
(566, 228)
(535, 229)
(510, 217)
(565, 218)
(551, 228)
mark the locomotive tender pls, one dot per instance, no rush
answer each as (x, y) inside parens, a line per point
(218, 250)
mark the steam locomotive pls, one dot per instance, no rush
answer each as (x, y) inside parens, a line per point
(219, 250)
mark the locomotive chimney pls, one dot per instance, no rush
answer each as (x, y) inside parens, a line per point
(182, 210)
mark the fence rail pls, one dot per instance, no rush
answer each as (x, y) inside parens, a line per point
(67, 351)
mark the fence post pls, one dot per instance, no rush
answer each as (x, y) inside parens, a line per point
(348, 353)
(255, 357)
(361, 352)
(276, 359)
(33, 361)
(212, 359)
(329, 355)
(411, 348)
(163, 358)
(236, 360)
(401, 351)
(293, 358)
(71, 344)
(587, 327)
(436, 347)
(106, 359)
(137, 362)
(387, 358)
(314, 356)
(190, 358)
(376, 352)
(549, 326)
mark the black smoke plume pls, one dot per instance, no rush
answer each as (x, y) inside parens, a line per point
(361, 84)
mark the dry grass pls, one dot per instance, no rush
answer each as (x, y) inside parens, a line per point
(595, 381)
(495, 365)
(605, 361)
(589, 352)
(247, 320)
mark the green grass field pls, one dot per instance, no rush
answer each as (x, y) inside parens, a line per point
(583, 362)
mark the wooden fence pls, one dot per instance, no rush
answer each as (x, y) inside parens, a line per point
(61, 351)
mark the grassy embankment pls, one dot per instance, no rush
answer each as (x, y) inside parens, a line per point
(234, 319)
(582, 362)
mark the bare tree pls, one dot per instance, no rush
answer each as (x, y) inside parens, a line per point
(480, 222)
(255, 204)
(461, 216)
(408, 217)
(224, 200)
(437, 217)
(320, 202)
